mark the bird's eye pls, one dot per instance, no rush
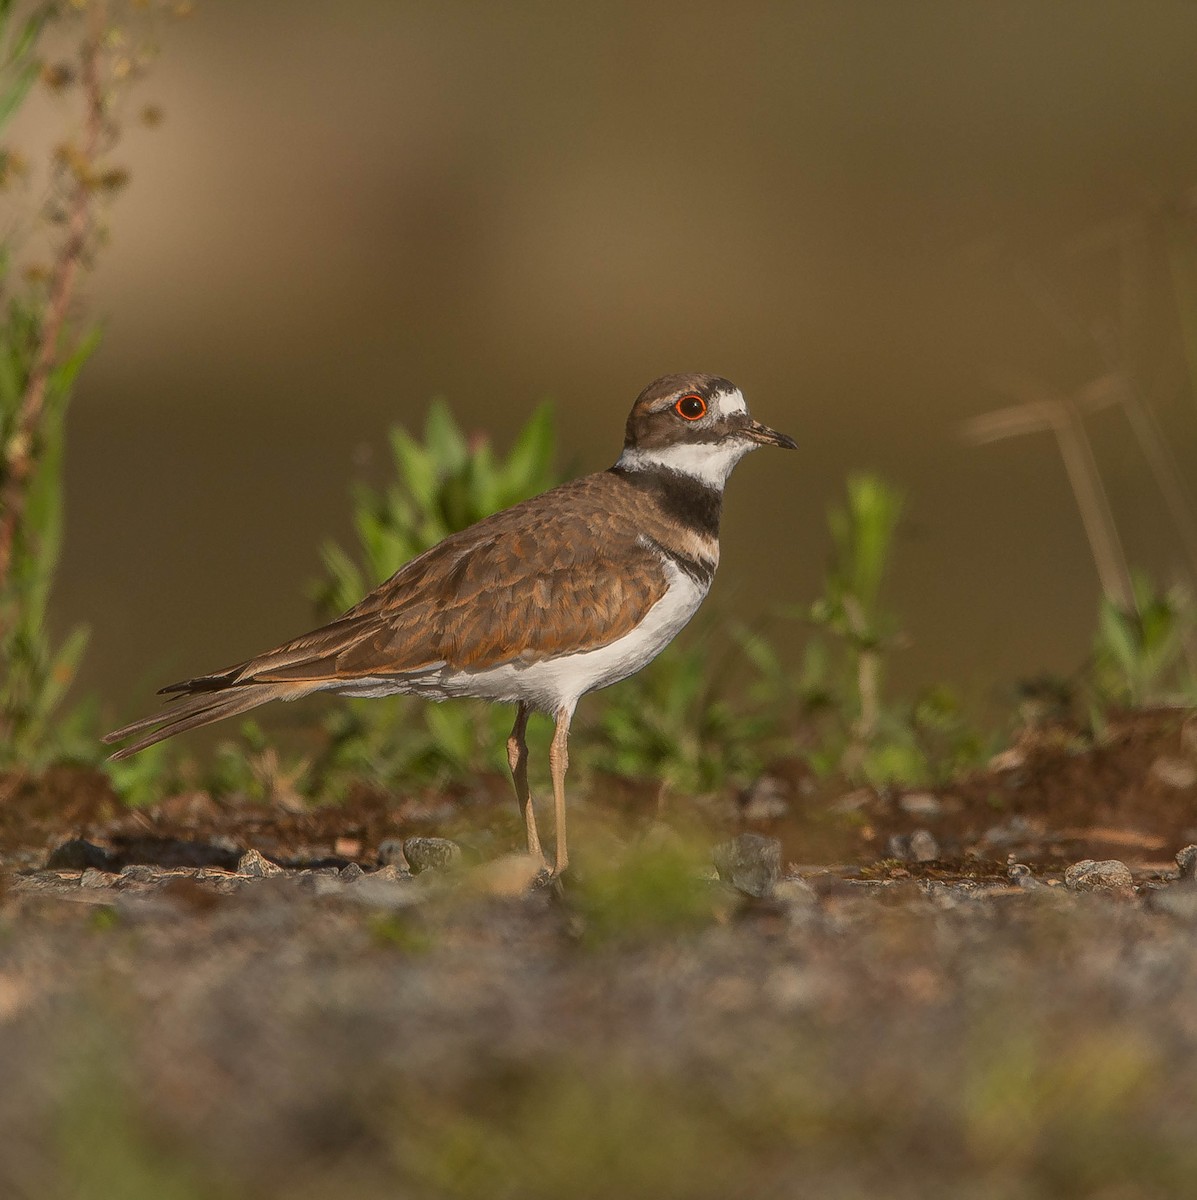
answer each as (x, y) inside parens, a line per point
(691, 407)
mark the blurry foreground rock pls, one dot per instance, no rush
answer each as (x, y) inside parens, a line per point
(750, 863)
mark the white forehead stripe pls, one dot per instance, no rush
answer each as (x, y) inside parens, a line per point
(726, 403)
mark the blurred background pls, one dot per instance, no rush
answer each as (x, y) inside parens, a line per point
(872, 217)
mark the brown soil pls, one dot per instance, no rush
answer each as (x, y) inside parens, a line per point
(1055, 797)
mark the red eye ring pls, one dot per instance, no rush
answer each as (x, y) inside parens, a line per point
(691, 407)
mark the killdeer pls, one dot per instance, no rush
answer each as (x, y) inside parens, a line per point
(535, 606)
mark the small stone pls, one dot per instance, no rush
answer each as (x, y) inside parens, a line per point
(91, 878)
(79, 854)
(1109, 875)
(390, 854)
(351, 872)
(254, 864)
(390, 873)
(139, 873)
(1173, 772)
(431, 854)
(1021, 875)
(920, 804)
(1186, 864)
(750, 863)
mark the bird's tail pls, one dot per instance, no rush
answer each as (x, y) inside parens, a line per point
(201, 707)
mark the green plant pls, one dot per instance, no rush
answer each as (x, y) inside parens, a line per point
(853, 728)
(442, 484)
(36, 672)
(253, 767)
(146, 777)
(39, 359)
(677, 722)
(1143, 657)
(862, 534)
(42, 348)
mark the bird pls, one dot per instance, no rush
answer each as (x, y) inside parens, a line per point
(569, 591)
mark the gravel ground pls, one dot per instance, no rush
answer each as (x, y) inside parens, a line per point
(339, 1033)
(983, 991)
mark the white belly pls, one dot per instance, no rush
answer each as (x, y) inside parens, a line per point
(554, 684)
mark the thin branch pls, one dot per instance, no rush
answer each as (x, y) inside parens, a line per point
(1040, 410)
(1094, 503)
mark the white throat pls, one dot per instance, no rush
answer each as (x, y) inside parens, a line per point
(708, 462)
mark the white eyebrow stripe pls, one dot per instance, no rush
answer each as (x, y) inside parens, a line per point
(727, 403)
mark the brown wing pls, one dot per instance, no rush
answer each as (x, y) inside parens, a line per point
(562, 572)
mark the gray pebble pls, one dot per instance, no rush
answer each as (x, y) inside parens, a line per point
(1186, 863)
(1021, 876)
(91, 878)
(431, 854)
(1106, 876)
(254, 864)
(750, 863)
(350, 872)
(391, 873)
(139, 873)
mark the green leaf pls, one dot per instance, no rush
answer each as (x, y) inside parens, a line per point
(528, 467)
(62, 672)
(416, 468)
(444, 439)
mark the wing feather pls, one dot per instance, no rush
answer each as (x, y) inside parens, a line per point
(564, 572)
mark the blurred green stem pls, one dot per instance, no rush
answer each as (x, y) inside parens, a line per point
(22, 451)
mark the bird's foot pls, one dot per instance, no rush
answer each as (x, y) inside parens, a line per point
(549, 881)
